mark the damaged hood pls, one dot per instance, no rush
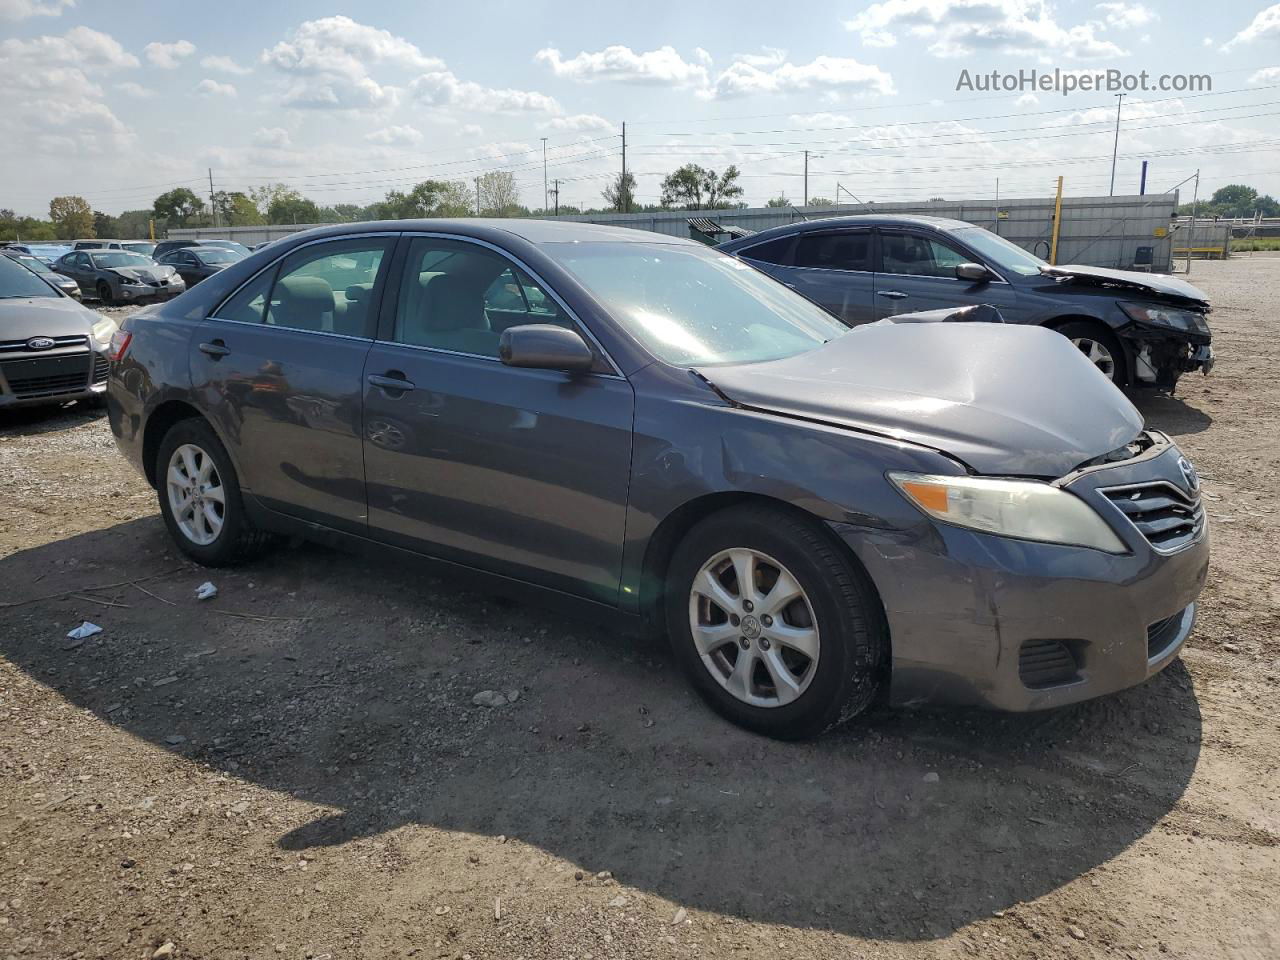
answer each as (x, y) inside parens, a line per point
(144, 273)
(1005, 399)
(1150, 283)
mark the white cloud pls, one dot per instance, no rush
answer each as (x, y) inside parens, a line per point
(821, 121)
(212, 88)
(1125, 16)
(225, 65)
(271, 137)
(473, 130)
(830, 75)
(23, 9)
(441, 88)
(80, 47)
(580, 123)
(397, 135)
(1027, 99)
(961, 28)
(1265, 76)
(168, 56)
(135, 90)
(663, 66)
(1265, 24)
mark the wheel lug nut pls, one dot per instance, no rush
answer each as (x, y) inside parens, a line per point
(734, 619)
(748, 606)
(767, 620)
(744, 642)
(764, 643)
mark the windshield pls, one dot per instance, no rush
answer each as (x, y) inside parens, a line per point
(17, 281)
(692, 306)
(142, 246)
(218, 255)
(239, 248)
(119, 258)
(34, 263)
(51, 250)
(1000, 251)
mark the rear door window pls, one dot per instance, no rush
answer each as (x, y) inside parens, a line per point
(771, 251)
(846, 250)
(329, 287)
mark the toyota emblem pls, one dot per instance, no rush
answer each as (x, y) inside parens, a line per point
(39, 343)
(1189, 474)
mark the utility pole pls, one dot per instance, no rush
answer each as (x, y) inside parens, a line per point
(556, 192)
(544, 176)
(624, 197)
(1116, 146)
(806, 179)
(213, 209)
(996, 229)
(1142, 184)
(477, 196)
(1191, 233)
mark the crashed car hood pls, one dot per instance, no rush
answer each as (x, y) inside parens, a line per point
(144, 273)
(1152, 283)
(55, 316)
(1006, 400)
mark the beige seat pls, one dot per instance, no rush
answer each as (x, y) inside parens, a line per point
(446, 312)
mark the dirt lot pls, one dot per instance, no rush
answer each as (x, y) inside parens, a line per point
(296, 769)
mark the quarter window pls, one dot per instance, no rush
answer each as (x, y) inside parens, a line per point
(914, 255)
(835, 251)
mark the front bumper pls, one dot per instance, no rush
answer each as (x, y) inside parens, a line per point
(144, 292)
(990, 621)
(33, 379)
(1160, 357)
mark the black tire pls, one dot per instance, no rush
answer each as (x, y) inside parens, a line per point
(845, 608)
(1101, 334)
(104, 294)
(238, 540)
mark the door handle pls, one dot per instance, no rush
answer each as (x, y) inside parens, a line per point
(891, 294)
(391, 383)
(217, 349)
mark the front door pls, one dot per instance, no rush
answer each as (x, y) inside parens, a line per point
(918, 272)
(280, 371)
(518, 471)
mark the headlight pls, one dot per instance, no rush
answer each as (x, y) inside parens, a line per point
(104, 330)
(1023, 509)
(1184, 321)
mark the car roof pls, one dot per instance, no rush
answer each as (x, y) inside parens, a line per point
(500, 229)
(945, 224)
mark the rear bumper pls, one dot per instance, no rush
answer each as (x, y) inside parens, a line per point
(988, 621)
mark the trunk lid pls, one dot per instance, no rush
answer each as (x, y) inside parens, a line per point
(1004, 399)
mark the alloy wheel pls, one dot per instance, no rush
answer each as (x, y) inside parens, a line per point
(1098, 354)
(196, 495)
(754, 628)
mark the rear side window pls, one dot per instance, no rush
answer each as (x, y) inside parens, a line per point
(328, 287)
(835, 251)
(772, 251)
(249, 305)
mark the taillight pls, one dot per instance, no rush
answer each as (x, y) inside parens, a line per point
(119, 344)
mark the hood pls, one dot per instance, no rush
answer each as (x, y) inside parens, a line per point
(1004, 399)
(1150, 283)
(52, 316)
(143, 273)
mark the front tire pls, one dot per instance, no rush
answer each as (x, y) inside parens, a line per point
(777, 628)
(104, 294)
(1100, 347)
(200, 497)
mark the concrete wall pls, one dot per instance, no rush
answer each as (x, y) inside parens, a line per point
(1099, 231)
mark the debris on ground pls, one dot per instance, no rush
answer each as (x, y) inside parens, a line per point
(84, 631)
(206, 591)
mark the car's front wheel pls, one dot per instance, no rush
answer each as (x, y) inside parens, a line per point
(1100, 347)
(775, 625)
(200, 497)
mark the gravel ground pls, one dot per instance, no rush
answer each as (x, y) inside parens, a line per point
(296, 768)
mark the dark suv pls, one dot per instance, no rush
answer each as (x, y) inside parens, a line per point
(1140, 329)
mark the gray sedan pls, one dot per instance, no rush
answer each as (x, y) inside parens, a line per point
(117, 276)
(816, 515)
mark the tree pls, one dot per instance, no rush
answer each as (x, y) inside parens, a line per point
(430, 198)
(779, 201)
(620, 194)
(820, 202)
(268, 193)
(14, 227)
(292, 207)
(177, 206)
(697, 188)
(135, 224)
(499, 196)
(72, 217)
(105, 225)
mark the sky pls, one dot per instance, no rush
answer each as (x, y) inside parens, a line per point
(120, 100)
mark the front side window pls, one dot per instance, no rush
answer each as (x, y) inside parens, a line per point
(692, 306)
(835, 251)
(914, 255)
(1002, 252)
(328, 287)
(460, 297)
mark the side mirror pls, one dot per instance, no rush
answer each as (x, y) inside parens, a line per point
(973, 272)
(545, 346)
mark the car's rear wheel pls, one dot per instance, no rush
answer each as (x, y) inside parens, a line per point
(200, 497)
(104, 293)
(1100, 346)
(775, 625)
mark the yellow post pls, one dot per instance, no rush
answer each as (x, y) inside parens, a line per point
(153, 230)
(1057, 224)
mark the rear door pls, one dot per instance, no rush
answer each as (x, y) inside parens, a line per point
(279, 368)
(521, 472)
(918, 272)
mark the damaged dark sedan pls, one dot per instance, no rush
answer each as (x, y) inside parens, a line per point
(118, 276)
(1140, 329)
(817, 515)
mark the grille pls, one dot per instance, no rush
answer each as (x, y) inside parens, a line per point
(20, 346)
(1046, 663)
(1168, 517)
(1162, 633)
(100, 368)
(47, 375)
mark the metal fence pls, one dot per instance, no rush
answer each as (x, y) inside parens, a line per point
(1124, 232)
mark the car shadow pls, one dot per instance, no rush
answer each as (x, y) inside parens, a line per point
(1171, 414)
(358, 698)
(49, 418)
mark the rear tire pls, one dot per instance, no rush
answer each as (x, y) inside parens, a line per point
(1100, 346)
(200, 498)
(813, 662)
